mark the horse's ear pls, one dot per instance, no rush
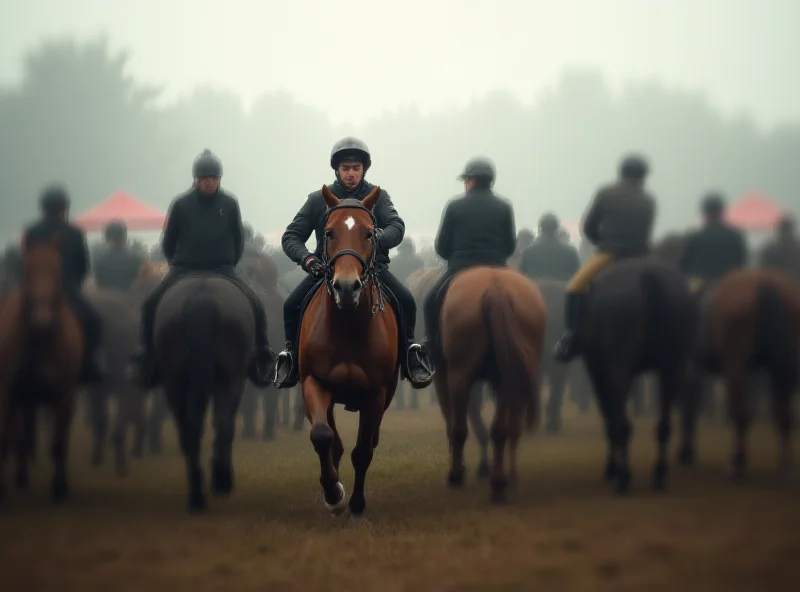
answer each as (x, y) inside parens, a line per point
(370, 201)
(330, 199)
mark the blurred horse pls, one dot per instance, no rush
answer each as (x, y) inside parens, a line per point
(640, 318)
(42, 348)
(420, 283)
(754, 324)
(348, 347)
(492, 329)
(204, 341)
(262, 275)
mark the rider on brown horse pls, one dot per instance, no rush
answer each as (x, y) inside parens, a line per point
(715, 249)
(75, 266)
(549, 256)
(118, 266)
(477, 229)
(619, 223)
(350, 158)
(783, 253)
(203, 233)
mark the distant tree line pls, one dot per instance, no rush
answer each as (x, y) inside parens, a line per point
(78, 117)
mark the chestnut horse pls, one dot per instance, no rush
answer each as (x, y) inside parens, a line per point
(348, 347)
(42, 349)
(754, 324)
(492, 329)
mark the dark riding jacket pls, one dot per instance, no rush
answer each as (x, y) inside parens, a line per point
(620, 219)
(311, 217)
(202, 232)
(714, 251)
(117, 268)
(549, 257)
(72, 246)
(477, 228)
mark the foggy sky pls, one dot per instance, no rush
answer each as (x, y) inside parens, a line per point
(358, 58)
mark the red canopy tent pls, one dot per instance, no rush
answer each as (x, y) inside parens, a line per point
(136, 214)
(754, 212)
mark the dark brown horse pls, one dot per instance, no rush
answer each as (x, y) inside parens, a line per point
(204, 332)
(754, 324)
(640, 318)
(348, 347)
(492, 329)
(42, 350)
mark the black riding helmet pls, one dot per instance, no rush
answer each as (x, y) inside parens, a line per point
(350, 149)
(549, 223)
(207, 165)
(478, 167)
(116, 231)
(713, 203)
(54, 197)
(634, 167)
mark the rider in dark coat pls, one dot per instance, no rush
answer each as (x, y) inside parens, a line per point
(118, 266)
(203, 233)
(350, 158)
(477, 229)
(407, 261)
(74, 267)
(715, 249)
(783, 253)
(619, 223)
(549, 256)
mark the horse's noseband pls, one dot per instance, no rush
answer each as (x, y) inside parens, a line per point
(369, 274)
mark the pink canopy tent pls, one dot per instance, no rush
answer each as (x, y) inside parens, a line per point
(136, 214)
(754, 212)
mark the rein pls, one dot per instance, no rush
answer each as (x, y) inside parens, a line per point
(369, 274)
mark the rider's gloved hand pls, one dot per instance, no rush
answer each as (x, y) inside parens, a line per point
(314, 267)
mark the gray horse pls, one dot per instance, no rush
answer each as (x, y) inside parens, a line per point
(204, 342)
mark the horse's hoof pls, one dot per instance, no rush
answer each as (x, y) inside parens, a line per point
(483, 470)
(197, 504)
(456, 478)
(337, 508)
(686, 457)
(221, 480)
(60, 491)
(498, 497)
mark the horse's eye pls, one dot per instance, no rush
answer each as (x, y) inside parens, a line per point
(370, 234)
(329, 234)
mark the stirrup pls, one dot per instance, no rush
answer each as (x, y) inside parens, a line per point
(421, 352)
(284, 358)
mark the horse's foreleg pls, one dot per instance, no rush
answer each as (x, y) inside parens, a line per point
(689, 404)
(337, 451)
(286, 407)
(270, 397)
(155, 421)
(479, 428)
(249, 410)
(299, 410)
(557, 376)
(63, 412)
(138, 417)
(318, 402)
(369, 421)
(226, 405)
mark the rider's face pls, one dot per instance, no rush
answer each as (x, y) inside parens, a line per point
(351, 173)
(207, 186)
(469, 184)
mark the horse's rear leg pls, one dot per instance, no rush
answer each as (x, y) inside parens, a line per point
(479, 428)
(249, 409)
(783, 386)
(155, 421)
(670, 383)
(369, 421)
(226, 406)
(190, 424)
(63, 413)
(459, 389)
(557, 384)
(26, 418)
(735, 378)
(689, 400)
(499, 435)
(97, 410)
(318, 402)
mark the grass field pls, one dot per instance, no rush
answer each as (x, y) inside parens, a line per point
(562, 531)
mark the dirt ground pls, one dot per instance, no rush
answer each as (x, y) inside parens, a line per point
(563, 531)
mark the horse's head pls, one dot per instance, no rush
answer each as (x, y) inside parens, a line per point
(350, 246)
(42, 287)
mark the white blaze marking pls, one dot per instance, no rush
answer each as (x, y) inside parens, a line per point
(350, 223)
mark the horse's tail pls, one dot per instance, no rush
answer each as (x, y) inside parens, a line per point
(659, 315)
(199, 315)
(774, 346)
(511, 350)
